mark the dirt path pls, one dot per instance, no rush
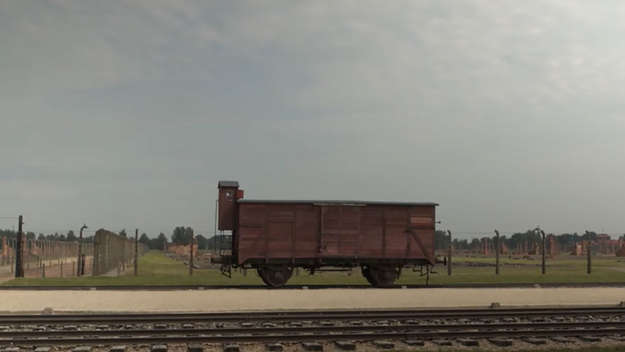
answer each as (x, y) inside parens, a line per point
(265, 299)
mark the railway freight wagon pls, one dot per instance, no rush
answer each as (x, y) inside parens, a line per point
(275, 236)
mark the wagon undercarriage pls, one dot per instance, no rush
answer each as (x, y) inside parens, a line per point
(277, 272)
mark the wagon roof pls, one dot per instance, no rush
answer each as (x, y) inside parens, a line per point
(336, 202)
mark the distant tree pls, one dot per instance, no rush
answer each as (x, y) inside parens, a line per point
(123, 233)
(566, 241)
(9, 234)
(441, 240)
(188, 234)
(161, 242)
(590, 235)
(202, 242)
(71, 236)
(41, 237)
(30, 236)
(177, 236)
(144, 238)
(475, 243)
(220, 241)
(181, 235)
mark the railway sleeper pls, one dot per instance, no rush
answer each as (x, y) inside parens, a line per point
(195, 348)
(383, 344)
(312, 346)
(469, 342)
(561, 339)
(411, 342)
(158, 348)
(82, 349)
(346, 345)
(442, 342)
(231, 347)
(274, 347)
(534, 340)
(589, 338)
(501, 342)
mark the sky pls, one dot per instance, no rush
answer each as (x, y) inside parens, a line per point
(125, 114)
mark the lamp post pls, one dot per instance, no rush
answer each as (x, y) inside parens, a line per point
(80, 265)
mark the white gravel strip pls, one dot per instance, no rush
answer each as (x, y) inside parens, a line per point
(265, 299)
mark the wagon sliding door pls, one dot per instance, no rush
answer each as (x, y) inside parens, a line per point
(339, 230)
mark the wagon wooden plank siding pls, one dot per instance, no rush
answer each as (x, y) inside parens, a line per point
(274, 236)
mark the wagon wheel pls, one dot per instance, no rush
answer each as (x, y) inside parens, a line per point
(365, 272)
(382, 276)
(275, 276)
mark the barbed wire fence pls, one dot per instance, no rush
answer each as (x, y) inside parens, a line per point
(46, 257)
(533, 243)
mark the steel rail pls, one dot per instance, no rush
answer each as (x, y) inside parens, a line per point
(313, 329)
(309, 315)
(359, 336)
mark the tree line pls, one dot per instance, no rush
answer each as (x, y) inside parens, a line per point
(565, 241)
(180, 235)
(69, 236)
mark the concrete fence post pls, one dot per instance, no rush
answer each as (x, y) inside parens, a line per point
(497, 250)
(544, 251)
(19, 250)
(136, 263)
(589, 259)
(191, 256)
(449, 253)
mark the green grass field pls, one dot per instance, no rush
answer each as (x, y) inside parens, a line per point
(157, 269)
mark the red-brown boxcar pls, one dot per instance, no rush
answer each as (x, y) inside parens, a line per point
(274, 236)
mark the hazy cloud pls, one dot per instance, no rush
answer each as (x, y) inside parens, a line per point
(125, 114)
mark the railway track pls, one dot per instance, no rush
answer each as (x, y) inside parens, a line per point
(417, 326)
(310, 315)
